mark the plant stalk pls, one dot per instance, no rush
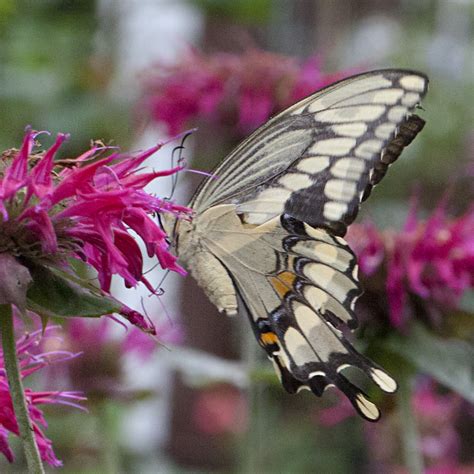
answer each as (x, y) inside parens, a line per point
(409, 430)
(108, 432)
(17, 392)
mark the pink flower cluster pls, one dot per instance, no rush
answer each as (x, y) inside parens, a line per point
(437, 413)
(31, 360)
(84, 208)
(240, 91)
(432, 258)
(437, 417)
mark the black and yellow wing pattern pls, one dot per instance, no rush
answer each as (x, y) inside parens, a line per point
(275, 216)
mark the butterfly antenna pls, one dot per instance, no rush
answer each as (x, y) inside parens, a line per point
(160, 222)
(179, 149)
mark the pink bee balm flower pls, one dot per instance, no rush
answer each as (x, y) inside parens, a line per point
(432, 259)
(52, 212)
(368, 244)
(240, 91)
(31, 361)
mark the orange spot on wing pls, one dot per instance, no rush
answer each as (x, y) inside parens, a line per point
(268, 338)
(283, 283)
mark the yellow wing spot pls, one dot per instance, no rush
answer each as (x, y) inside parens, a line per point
(283, 283)
(268, 338)
(290, 262)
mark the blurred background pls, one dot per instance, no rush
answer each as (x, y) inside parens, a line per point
(204, 401)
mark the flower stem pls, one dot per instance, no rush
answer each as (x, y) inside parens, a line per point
(17, 393)
(252, 452)
(106, 417)
(409, 430)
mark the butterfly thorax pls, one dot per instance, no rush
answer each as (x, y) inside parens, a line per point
(192, 247)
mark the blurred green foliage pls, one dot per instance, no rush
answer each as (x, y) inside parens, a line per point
(51, 76)
(245, 11)
(284, 437)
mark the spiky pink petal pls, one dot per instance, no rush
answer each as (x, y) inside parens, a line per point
(41, 179)
(16, 174)
(138, 320)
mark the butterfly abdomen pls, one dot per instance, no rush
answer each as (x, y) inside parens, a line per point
(205, 268)
(213, 278)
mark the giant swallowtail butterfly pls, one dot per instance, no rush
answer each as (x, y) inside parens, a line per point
(266, 236)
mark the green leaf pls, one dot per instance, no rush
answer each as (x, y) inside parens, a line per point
(246, 11)
(54, 293)
(449, 361)
(459, 324)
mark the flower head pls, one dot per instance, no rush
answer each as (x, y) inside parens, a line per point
(240, 91)
(53, 212)
(432, 259)
(31, 360)
(440, 261)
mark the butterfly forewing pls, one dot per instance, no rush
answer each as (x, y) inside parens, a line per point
(318, 159)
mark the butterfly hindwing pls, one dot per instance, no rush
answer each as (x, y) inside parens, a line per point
(316, 312)
(299, 285)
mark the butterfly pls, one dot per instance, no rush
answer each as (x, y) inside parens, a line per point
(266, 236)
